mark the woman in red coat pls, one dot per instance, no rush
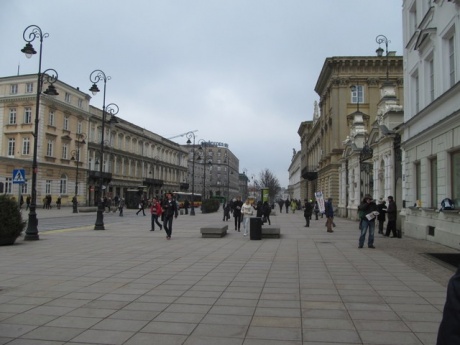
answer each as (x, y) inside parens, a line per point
(156, 212)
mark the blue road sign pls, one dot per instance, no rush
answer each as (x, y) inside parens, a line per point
(19, 176)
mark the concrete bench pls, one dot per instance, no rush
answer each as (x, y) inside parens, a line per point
(87, 209)
(214, 231)
(271, 232)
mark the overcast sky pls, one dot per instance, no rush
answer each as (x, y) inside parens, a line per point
(241, 72)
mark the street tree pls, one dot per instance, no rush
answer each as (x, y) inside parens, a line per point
(268, 180)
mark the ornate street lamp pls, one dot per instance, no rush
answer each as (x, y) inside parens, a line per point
(76, 157)
(382, 39)
(190, 135)
(30, 34)
(204, 144)
(95, 77)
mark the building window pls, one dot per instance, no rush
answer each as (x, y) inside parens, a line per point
(418, 184)
(48, 187)
(8, 185)
(28, 115)
(63, 185)
(65, 151)
(434, 182)
(66, 123)
(416, 93)
(12, 116)
(51, 118)
(24, 188)
(50, 148)
(67, 97)
(451, 62)
(25, 146)
(80, 103)
(79, 127)
(413, 19)
(11, 147)
(357, 94)
(455, 178)
(431, 79)
(13, 89)
(29, 87)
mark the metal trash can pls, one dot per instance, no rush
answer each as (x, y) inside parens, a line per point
(255, 228)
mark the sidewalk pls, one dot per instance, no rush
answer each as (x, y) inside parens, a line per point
(127, 285)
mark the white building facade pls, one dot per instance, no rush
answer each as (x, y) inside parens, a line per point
(431, 131)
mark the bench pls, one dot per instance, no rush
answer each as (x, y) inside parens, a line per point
(271, 232)
(214, 231)
(87, 209)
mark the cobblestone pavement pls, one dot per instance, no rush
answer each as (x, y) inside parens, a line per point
(128, 285)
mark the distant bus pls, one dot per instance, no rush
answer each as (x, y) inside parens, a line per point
(181, 197)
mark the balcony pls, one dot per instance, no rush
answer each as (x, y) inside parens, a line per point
(309, 173)
(152, 182)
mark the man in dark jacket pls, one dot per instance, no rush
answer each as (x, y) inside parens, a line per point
(369, 212)
(391, 217)
(307, 212)
(329, 212)
(449, 329)
(381, 209)
(237, 212)
(169, 211)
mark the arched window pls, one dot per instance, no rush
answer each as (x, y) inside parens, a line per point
(63, 184)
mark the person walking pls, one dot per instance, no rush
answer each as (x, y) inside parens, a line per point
(307, 212)
(246, 210)
(391, 215)
(316, 210)
(186, 205)
(155, 211)
(293, 205)
(141, 207)
(226, 209)
(170, 212)
(237, 205)
(287, 203)
(329, 212)
(281, 203)
(266, 210)
(381, 209)
(121, 206)
(58, 202)
(27, 202)
(369, 209)
(449, 328)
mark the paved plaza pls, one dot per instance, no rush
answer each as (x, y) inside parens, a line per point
(128, 285)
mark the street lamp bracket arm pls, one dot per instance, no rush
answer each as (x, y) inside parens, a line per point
(32, 32)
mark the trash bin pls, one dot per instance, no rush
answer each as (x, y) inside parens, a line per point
(255, 228)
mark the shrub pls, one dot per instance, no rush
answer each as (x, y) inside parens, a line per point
(210, 205)
(11, 223)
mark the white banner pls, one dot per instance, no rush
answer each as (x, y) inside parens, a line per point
(320, 199)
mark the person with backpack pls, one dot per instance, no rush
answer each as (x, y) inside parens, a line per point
(155, 211)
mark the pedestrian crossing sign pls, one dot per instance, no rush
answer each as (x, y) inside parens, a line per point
(19, 176)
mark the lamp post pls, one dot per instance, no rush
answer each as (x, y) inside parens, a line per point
(30, 34)
(227, 160)
(382, 39)
(202, 144)
(190, 135)
(95, 77)
(76, 157)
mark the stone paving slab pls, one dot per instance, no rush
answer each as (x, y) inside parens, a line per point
(127, 285)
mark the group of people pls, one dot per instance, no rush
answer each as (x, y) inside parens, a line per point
(242, 212)
(369, 212)
(289, 204)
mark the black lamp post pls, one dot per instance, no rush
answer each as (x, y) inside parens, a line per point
(382, 39)
(227, 160)
(76, 157)
(202, 144)
(95, 77)
(31, 33)
(189, 136)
